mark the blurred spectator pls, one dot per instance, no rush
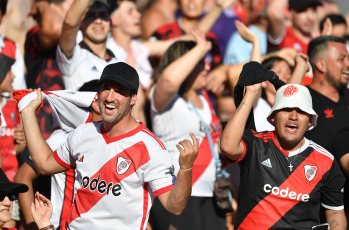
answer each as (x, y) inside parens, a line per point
(80, 63)
(334, 24)
(12, 136)
(17, 21)
(191, 13)
(238, 50)
(160, 13)
(224, 26)
(40, 54)
(11, 49)
(329, 60)
(179, 92)
(299, 31)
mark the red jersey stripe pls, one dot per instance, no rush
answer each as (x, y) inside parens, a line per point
(68, 196)
(145, 205)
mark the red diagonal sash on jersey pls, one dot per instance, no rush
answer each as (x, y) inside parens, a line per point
(269, 210)
(85, 199)
(202, 160)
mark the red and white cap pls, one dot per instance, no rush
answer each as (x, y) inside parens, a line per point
(294, 96)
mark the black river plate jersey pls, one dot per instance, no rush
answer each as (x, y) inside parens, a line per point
(284, 190)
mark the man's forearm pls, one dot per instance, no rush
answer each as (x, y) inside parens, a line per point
(180, 192)
(37, 146)
(336, 219)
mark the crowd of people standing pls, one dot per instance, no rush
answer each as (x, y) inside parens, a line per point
(121, 113)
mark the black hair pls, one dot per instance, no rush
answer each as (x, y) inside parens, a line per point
(114, 4)
(336, 19)
(320, 44)
(3, 5)
(269, 63)
(100, 3)
(175, 51)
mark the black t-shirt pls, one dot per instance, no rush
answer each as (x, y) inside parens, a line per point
(339, 146)
(332, 116)
(273, 197)
(43, 72)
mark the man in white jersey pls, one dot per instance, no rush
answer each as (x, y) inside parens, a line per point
(83, 62)
(120, 164)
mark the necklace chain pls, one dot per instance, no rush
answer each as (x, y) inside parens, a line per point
(291, 166)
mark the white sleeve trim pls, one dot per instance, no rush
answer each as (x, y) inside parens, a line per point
(279, 39)
(332, 207)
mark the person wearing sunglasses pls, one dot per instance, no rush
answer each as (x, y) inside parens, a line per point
(84, 61)
(41, 208)
(8, 193)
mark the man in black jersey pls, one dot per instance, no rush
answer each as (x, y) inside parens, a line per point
(285, 177)
(329, 59)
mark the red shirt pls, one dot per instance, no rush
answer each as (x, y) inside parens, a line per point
(290, 40)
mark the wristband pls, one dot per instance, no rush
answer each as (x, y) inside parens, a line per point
(49, 227)
(184, 170)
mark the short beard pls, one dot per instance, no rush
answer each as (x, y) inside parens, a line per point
(336, 84)
(116, 119)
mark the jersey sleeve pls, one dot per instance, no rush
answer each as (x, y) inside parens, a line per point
(63, 154)
(68, 65)
(332, 191)
(160, 172)
(246, 140)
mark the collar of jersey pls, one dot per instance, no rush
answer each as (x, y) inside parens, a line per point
(109, 140)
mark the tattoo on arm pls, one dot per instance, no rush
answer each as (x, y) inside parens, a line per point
(333, 223)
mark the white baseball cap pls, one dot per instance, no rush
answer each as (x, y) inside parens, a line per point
(294, 96)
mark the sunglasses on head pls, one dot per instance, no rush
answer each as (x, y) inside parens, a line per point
(11, 197)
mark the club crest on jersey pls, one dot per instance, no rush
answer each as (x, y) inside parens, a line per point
(122, 165)
(310, 171)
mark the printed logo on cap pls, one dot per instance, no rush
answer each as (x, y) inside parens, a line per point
(290, 91)
(122, 165)
(310, 171)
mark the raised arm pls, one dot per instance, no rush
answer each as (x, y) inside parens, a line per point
(174, 74)
(276, 18)
(50, 23)
(211, 17)
(300, 69)
(39, 150)
(71, 26)
(159, 47)
(230, 144)
(175, 200)
(249, 36)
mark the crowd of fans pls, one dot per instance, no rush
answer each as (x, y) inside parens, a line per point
(189, 55)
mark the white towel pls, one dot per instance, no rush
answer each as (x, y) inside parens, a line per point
(68, 106)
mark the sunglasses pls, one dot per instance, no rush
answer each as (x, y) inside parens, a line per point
(94, 15)
(11, 197)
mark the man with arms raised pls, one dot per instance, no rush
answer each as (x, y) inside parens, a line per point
(119, 163)
(285, 178)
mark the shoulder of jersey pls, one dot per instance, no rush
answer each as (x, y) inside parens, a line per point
(150, 138)
(320, 149)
